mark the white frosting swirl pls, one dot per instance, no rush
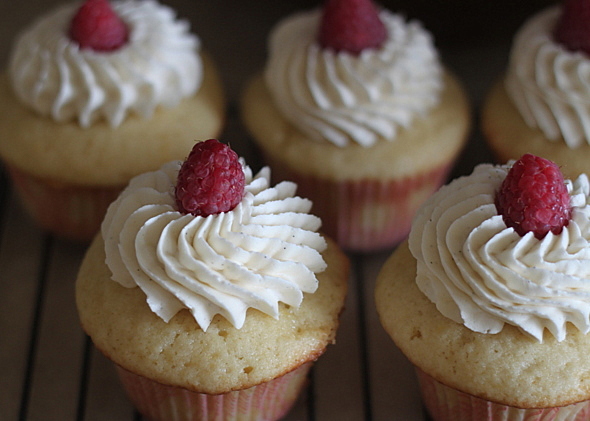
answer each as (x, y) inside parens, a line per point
(483, 274)
(159, 65)
(264, 251)
(550, 85)
(343, 98)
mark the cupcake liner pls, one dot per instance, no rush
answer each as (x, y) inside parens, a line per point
(68, 211)
(366, 215)
(265, 402)
(447, 404)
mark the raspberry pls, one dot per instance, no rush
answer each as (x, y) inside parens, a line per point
(573, 27)
(533, 197)
(210, 181)
(351, 25)
(97, 26)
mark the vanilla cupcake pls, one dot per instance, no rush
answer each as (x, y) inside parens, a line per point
(208, 309)
(368, 128)
(490, 301)
(542, 104)
(80, 118)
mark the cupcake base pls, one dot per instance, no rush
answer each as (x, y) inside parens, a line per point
(265, 402)
(365, 215)
(447, 404)
(509, 137)
(71, 212)
(364, 195)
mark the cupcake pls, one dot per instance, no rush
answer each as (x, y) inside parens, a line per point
(211, 291)
(543, 99)
(490, 300)
(356, 108)
(87, 103)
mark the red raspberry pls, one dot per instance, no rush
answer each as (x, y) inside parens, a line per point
(534, 197)
(573, 27)
(210, 181)
(97, 26)
(351, 25)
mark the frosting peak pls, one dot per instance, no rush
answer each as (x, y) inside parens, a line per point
(158, 66)
(549, 84)
(264, 251)
(344, 98)
(482, 274)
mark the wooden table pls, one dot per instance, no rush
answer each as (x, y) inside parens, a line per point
(49, 370)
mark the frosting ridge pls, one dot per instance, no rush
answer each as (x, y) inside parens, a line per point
(158, 66)
(482, 274)
(342, 98)
(549, 84)
(264, 251)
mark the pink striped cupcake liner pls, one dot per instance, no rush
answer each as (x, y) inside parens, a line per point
(72, 212)
(366, 215)
(447, 404)
(265, 402)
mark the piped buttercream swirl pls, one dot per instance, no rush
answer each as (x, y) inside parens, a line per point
(342, 98)
(158, 66)
(549, 84)
(265, 251)
(483, 274)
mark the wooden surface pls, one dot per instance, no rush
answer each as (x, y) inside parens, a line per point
(48, 368)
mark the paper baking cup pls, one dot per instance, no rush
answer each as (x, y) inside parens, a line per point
(447, 404)
(265, 402)
(67, 211)
(366, 215)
